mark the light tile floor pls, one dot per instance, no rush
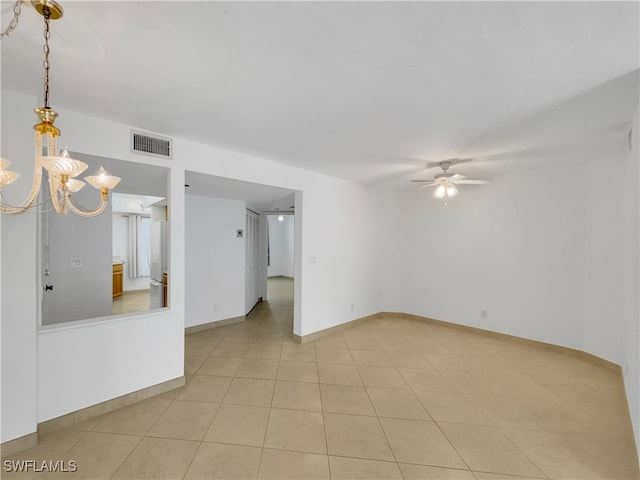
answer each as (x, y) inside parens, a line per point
(130, 302)
(388, 399)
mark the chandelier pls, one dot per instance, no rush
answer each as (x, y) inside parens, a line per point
(61, 168)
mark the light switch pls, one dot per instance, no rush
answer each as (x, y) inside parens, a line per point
(76, 262)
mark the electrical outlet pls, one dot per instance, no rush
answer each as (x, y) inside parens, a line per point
(483, 314)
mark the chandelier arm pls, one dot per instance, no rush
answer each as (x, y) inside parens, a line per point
(39, 212)
(33, 194)
(17, 9)
(10, 210)
(79, 210)
(8, 205)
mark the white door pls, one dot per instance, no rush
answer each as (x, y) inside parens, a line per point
(76, 267)
(252, 269)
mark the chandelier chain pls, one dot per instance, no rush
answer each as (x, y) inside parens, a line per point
(47, 34)
(17, 9)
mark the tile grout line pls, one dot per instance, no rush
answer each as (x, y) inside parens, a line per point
(324, 423)
(135, 447)
(393, 453)
(201, 442)
(443, 434)
(205, 433)
(266, 431)
(264, 326)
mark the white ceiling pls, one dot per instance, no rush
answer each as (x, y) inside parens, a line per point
(138, 204)
(136, 178)
(262, 198)
(368, 91)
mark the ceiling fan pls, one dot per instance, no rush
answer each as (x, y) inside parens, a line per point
(446, 182)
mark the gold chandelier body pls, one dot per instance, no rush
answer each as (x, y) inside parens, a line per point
(61, 168)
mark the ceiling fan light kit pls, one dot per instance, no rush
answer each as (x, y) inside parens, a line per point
(445, 189)
(446, 183)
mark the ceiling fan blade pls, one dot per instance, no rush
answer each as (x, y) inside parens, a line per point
(472, 182)
(427, 185)
(456, 177)
(430, 184)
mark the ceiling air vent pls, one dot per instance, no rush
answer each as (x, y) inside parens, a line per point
(156, 146)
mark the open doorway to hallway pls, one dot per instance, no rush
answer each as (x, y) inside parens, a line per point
(227, 254)
(280, 244)
(276, 313)
(278, 251)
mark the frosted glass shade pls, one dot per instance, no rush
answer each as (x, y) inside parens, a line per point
(102, 180)
(445, 189)
(63, 165)
(6, 176)
(74, 185)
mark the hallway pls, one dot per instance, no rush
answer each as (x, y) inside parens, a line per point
(389, 398)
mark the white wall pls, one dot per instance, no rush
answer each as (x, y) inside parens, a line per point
(121, 249)
(281, 246)
(83, 291)
(349, 252)
(158, 213)
(86, 364)
(339, 251)
(160, 334)
(215, 259)
(513, 248)
(604, 241)
(549, 255)
(263, 279)
(34, 393)
(19, 277)
(504, 248)
(631, 325)
(390, 257)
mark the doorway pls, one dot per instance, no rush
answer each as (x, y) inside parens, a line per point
(252, 261)
(273, 273)
(226, 250)
(281, 245)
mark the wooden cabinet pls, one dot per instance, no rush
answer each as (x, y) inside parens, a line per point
(165, 298)
(117, 280)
